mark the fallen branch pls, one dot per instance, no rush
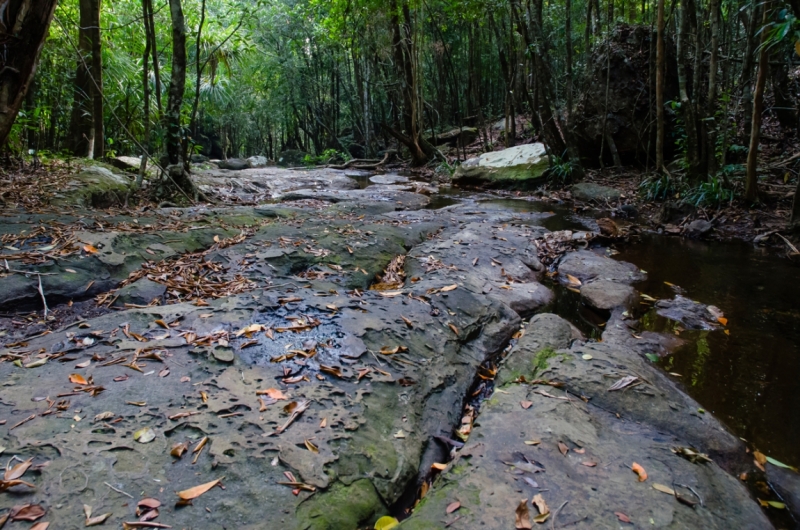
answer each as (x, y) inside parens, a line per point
(41, 292)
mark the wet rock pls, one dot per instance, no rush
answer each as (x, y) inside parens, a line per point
(693, 315)
(523, 298)
(587, 266)
(141, 292)
(198, 159)
(233, 164)
(95, 186)
(589, 191)
(223, 354)
(698, 228)
(786, 484)
(566, 449)
(388, 179)
(394, 199)
(513, 166)
(606, 294)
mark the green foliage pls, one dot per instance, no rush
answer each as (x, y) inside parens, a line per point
(658, 187)
(560, 169)
(710, 193)
(327, 157)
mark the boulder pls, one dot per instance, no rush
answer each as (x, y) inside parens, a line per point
(786, 483)
(234, 164)
(515, 165)
(693, 315)
(388, 179)
(606, 295)
(589, 191)
(698, 228)
(126, 163)
(460, 136)
(94, 186)
(258, 161)
(141, 292)
(198, 159)
(587, 266)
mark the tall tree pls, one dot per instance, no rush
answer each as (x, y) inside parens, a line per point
(23, 35)
(81, 129)
(97, 84)
(751, 183)
(174, 140)
(661, 67)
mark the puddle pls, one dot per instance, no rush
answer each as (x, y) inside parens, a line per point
(747, 379)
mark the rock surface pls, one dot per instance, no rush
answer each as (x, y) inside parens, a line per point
(537, 439)
(515, 165)
(587, 266)
(589, 191)
(94, 186)
(606, 295)
(233, 164)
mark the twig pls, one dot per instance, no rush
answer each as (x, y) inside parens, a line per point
(118, 490)
(555, 514)
(692, 490)
(26, 420)
(794, 248)
(44, 301)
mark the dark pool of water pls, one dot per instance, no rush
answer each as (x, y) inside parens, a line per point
(749, 379)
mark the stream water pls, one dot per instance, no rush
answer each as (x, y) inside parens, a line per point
(748, 378)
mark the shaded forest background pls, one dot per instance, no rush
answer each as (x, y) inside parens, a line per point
(672, 88)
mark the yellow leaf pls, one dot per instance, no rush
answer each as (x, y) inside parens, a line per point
(664, 489)
(89, 249)
(78, 379)
(639, 470)
(386, 522)
(797, 47)
(573, 280)
(311, 447)
(438, 466)
(448, 288)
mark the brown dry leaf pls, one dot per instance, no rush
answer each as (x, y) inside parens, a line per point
(438, 466)
(193, 493)
(40, 526)
(390, 294)
(78, 379)
(333, 370)
(624, 382)
(580, 451)
(760, 457)
(563, 448)
(664, 489)
(162, 324)
(84, 364)
(26, 512)
(448, 288)
(589, 464)
(523, 520)
(453, 506)
(178, 449)
(143, 524)
(199, 446)
(455, 329)
(622, 517)
(310, 446)
(526, 404)
(97, 519)
(17, 471)
(89, 249)
(407, 321)
(274, 393)
(639, 470)
(541, 506)
(323, 423)
(386, 350)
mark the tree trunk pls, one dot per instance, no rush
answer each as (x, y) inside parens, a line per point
(146, 95)
(23, 38)
(687, 105)
(660, 71)
(747, 67)
(711, 104)
(751, 184)
(81, 129)
(198, 79)
(177, 85)
(97, 86)
(794, 221)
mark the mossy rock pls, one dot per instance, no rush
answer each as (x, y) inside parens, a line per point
(95, 186)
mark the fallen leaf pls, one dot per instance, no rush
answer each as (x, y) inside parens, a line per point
(639, 470)
(587, 357)
(454, 328)
(622, 383)
(179, 449)
(89, 249)
(17, 471)
(193, 493)
(162, 324)
(274, 393)
(760, 457)
(438, 466)
(563, 448)
(407, 321)
(448, 288)
(663, 489)
(310, 446)
(26, 512)
(144, 435)
(573, 280)
(532, 442)
(622, 517)
(589, 464)
(453, 506)
(526, 404)
(84, 364)
(400, 434)
(386, 522)
(523, 520)
(98, 519)
(541, 506)
(40, 526)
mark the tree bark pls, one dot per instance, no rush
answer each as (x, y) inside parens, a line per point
(177, 86)
(660, 71)
(146, 95)
(687, 104)
(711, 107)
(97, 85)
(198, 78)
(751, 184)
(81, 129)
(23, 38)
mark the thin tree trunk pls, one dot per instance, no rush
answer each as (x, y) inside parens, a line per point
(711, 108)
(660, 72)
(687, 105)
(151, 35)
(198, 79)
(568, 32)
(81, 129)
(97, 85)
(146, 97)
(747, 67)
(177, 85)
(751, 184)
